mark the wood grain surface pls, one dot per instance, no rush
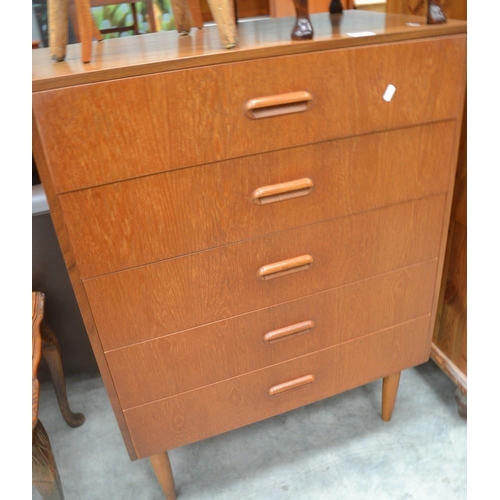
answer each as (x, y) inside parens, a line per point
(450, 332)
(135, 135)
(80, 295)
(157, 299)
(208, 354)
(199, 414)
(123, 225)
(166, 50)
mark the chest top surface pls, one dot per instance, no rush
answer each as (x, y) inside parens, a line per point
(167, 51)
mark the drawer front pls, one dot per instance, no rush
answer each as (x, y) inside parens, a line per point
(136, 222)
(104, 132)
(151, 301)
(194, 358)
(221, 407)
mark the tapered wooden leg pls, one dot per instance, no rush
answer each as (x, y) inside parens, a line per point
(182, 16)
(57, 17)
(45, 476)
(163, 470)
(223, 14)
(390, 386)
(85, 28)
(151, 17)
(74, 22)
(52, 355)
(95, 31)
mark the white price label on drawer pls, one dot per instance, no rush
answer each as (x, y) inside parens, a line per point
(389, 93)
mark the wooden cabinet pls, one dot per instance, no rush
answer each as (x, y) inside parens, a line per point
(250, 231)
(449, 343)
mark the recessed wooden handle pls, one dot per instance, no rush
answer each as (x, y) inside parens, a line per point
(282, 191)
(290, 385)
(288, 331)
(275, 105)
(289, 266)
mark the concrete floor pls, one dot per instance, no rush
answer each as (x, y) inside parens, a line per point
(338, 449)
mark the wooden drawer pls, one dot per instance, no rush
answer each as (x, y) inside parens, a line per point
(193, 358)
(227, 405)
(151, 301)
(144, 220)
(100, 133)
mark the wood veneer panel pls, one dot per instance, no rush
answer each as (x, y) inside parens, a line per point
(81, 297)
(208, 354)
(180, 212)
(144, 125)
(218, 408)
(453, 316)
(459, 205)
(462, 359)
(157, 299)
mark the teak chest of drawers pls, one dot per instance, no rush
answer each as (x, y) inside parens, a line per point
(251, 231)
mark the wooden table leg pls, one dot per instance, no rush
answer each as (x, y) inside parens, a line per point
(182, 16)
(151, 17)
(51, 353)
(223, 14)
(163, 470)
(390, 386)
(45, 475)
(85, 28)
(57, 17)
